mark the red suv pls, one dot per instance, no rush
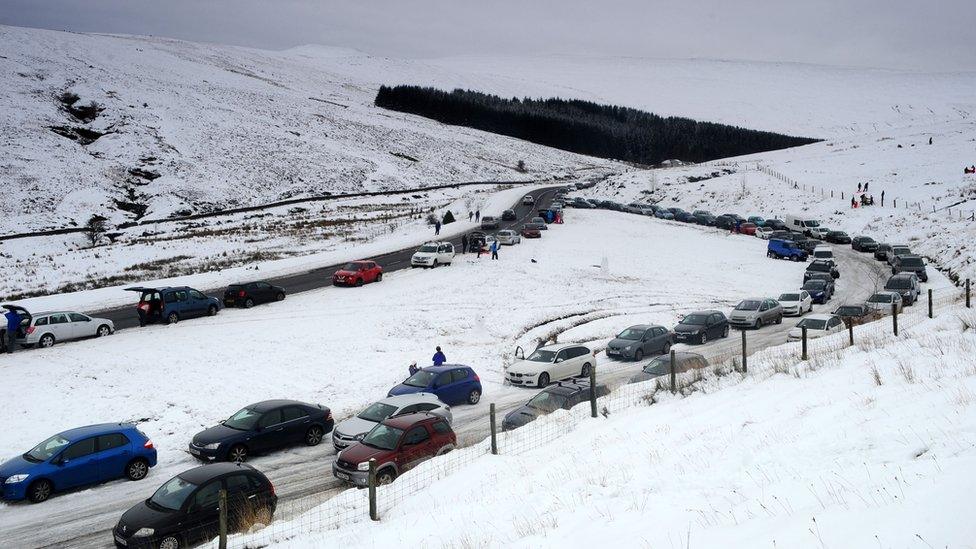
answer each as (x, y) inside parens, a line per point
(398, 444)
(358, 273)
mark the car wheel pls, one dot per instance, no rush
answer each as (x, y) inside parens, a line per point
(169, 542)
(637, 358)
(379, 277)
(137, 469)
(445, 449)
(40, 490)
(758, 324)
(795, 257)
(474, 396)
(779, 319)
(248, 303)
(237, 454)
(212, 310)
(586, 370)
(435, 264)
(172, 318)
(313, 436)
(359, 282)
(704, 338)
(103, 331)
(543, 380)
(47, 340)
(725, 332)
(386, 476)
(769, 254)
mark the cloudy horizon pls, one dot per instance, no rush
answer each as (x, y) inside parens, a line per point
(898, 34)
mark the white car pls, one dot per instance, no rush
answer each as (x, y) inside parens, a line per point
(551, 363)
(819, 233)
(355, 428)
(528, 200)
(46, 329)
(796, 303)
(817, 325)
(763, 232)
(508, 237)
(433, 254)
(822, 252)
(882, 301)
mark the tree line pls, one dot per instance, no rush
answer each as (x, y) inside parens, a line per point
(605, 131)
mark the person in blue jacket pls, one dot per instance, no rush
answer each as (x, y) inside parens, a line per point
(13, 324)
(439, 357)
(494, 250)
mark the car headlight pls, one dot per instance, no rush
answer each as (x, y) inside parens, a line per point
(212, 446)
(627, 348)
(143, 533)
(14, 479)
(360, 436)
(364, 466)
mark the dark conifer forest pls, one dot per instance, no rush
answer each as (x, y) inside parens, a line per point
(605, 131)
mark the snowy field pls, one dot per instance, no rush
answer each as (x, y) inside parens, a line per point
(870, 446)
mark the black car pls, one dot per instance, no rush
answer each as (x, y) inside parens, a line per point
(185, 510)
(509, 215)
(559, 396)
(910, 264)
(776, 224)
(476, 240)
(821, 266)
(863, 244)
(707, 220)
(724, 222)
(700, 326)
(249, 294)
(489, 223)
(661, 365)
(261, 427)
(882, 251)
(837, 237)
(783, 235)
(807, 244)
(685, 217)
(819, 289)
(735, 216)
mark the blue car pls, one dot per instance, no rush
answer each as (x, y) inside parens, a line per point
(785, 249)
(452, 383)
(76, 458)
(171, 305)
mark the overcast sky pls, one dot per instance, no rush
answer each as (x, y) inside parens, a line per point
(913, 34)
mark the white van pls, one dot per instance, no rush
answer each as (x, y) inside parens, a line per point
(823, 252)
(801, 224)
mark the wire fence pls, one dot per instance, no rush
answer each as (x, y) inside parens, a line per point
(628, 388)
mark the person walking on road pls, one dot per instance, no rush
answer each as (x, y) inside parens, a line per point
(437, 227)
(439, 357)
(477, 215)
(882, 198)
(464, 244)
(13, 325)
(470, 216)
(866, 187)
(494, 250)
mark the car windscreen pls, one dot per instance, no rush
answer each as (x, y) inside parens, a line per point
(848, 310)
(172, 494)
(420, 379)
(46, 449)
(819, 267)
(383, 437)
(659, 366)
(546, 402)
(351, 267)
(631, 333)
(866, 240)
(377, 412)
(898, 283)
(789, 297)
(912, 262)
(823, 253)
(748, 305)
(812, 324)
(541, 355)
(815, 285)
(243, 420)
(880, 298)
(900, 250)
(694, 320)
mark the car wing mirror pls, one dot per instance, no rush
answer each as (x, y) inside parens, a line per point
(558, 360)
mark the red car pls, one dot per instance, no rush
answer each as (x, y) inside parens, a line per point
(748, 228)
(358, 273)
(531, 232)
(397, 444)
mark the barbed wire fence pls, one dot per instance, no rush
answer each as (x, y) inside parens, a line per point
(317, 514)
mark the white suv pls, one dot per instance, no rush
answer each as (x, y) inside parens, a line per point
(433, 254)
(551, 363)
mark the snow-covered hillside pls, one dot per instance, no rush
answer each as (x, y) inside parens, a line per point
(131, 127)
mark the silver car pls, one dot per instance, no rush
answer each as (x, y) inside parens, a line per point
(46, 329)
(356, 427)
(508, 237)
(756, 312)
(882, 302)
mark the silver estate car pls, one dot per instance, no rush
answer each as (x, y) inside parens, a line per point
(756, 312)
(353, 429)
(46, 329)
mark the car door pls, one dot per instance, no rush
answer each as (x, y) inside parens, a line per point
(59, 325)
(805, 300)
(415, 447)
(834, 325)
(443, 387)
(461, 381)
(113, 452)
(270, 433)
(295, 421)
(81, 325)
(714, 326)
(199, 302)
(202, 513)
(242, 499)
(181, 303)
(77, 465)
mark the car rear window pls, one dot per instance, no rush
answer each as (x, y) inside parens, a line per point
(880, 298)
(442, 427)
(812, 324)
(912, 262)
(899, 283)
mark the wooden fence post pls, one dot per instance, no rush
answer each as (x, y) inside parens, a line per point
(894, 317)
(745, 360)
(673, 375)
(593, 391)
(494, 440)
(930, 302)
(850, 331)
(967, 293)
(803, 355)
(222, 499)
(373, 513)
